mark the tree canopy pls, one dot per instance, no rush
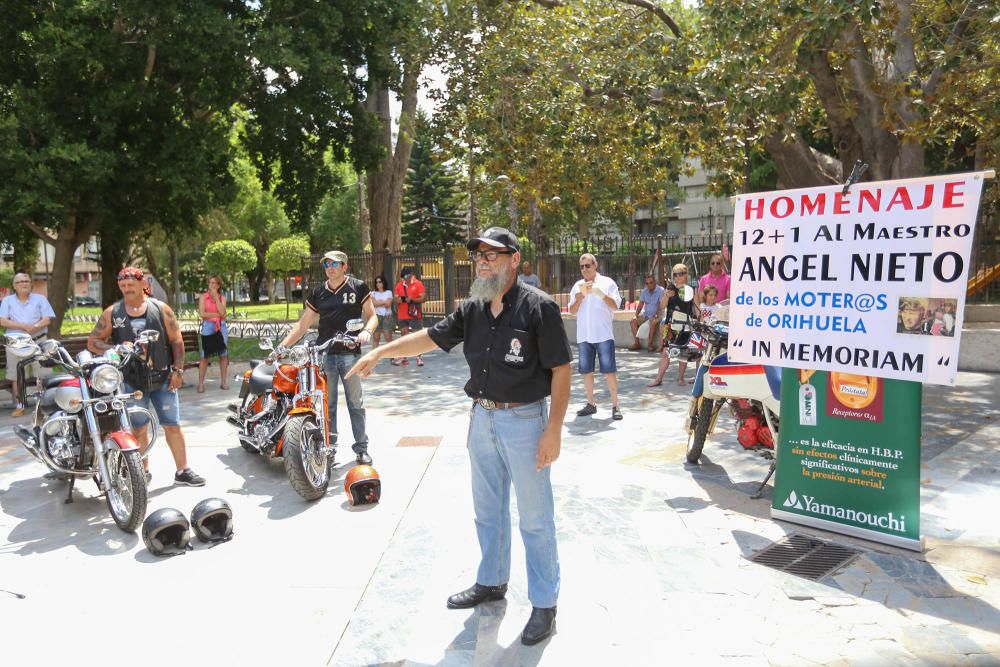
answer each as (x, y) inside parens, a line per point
(117, 114)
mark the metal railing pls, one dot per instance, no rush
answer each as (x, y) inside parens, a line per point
(447, 272)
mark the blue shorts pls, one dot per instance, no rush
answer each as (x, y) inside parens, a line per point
(165, 402)
(605, 351)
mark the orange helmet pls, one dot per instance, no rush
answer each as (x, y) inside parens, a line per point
(362, 486)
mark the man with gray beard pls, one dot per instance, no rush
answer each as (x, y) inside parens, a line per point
(518, 354)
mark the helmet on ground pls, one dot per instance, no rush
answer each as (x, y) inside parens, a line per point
(362, 486)
(166, 532)
(212, 520)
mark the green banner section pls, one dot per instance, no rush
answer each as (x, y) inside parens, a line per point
(849, 455)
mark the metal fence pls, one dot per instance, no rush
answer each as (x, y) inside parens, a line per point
(984, 273)
(447, 272)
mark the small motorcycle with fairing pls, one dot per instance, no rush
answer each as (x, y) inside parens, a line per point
(82, 426)
(282, 410)
(752, 391)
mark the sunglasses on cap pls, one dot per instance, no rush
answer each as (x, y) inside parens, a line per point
(327, 263)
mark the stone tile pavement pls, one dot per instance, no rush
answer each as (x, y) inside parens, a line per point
(653, 552)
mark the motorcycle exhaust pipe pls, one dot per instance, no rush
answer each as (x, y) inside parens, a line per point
(28, 440)
(233, 421)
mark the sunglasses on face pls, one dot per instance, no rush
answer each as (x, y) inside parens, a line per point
(488, 255)
(22, 282)
(680, 273)
(586, 266)
(716, 263)
(327, 263)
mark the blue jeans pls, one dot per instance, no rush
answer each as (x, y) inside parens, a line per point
(502, 449)
(604, 351)
(336, 366)
(165, 402)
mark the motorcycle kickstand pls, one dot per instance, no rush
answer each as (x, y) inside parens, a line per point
(760, 489)
(69, 496)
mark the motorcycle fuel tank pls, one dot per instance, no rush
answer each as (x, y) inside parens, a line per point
(67, 396)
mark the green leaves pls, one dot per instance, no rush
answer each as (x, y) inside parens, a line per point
(285, 255)
(229, 257)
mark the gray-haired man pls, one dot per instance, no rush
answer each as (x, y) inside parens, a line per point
(28, 312)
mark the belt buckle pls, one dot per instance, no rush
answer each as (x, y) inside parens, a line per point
(487, 404)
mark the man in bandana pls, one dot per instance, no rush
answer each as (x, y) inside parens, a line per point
(121, 323)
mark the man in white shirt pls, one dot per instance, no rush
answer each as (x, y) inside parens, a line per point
(594, 300)
(28, 312)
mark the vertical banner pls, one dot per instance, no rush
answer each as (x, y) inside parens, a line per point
(869, 281)
(849, 455)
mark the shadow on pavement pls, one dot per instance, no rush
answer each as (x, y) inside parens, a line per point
(87, 523)
(266, 477)
(901, 572)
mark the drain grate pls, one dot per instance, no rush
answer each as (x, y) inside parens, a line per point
(805, 556)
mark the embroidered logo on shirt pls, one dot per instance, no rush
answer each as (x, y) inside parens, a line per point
(117, 322)
(514, 355)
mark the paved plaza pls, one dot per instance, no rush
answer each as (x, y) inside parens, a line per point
(653, 551)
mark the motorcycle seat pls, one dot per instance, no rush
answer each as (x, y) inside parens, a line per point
(56, 380)
(261, 377)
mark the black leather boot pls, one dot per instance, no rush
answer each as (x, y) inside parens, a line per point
(540, 625)
(470, 597)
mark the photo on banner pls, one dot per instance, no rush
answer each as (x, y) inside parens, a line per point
(871, 282)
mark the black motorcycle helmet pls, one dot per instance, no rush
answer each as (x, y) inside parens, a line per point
(166, 532)
(212, 520)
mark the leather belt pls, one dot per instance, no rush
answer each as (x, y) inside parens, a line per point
(487, 404)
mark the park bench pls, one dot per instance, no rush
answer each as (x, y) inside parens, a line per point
(76, 344)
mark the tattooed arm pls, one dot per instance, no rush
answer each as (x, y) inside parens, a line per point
(99, 339)
(174, 336)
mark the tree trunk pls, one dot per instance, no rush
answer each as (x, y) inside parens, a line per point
(256, 276)
(175, 276)
(799, 166)
(69, 237)
(114, 249)
(364, 220)
(385, 183)
(473, 221)
(288, 295)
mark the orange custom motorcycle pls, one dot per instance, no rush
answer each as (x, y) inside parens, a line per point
(282, 411)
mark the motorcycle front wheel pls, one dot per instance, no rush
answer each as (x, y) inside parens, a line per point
(306, 458)
(126, 493)
(706, 411)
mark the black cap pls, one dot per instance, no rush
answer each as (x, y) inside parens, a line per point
(405, 272)
(498, 237)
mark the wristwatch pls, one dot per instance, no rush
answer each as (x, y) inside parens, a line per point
(179, 371)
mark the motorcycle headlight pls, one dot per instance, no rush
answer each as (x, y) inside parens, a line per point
(105, 379)
(298, 356)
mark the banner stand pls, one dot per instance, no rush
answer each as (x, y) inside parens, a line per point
(853, 531)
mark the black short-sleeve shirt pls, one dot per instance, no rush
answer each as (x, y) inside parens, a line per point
(510, 357)
(336, 307)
